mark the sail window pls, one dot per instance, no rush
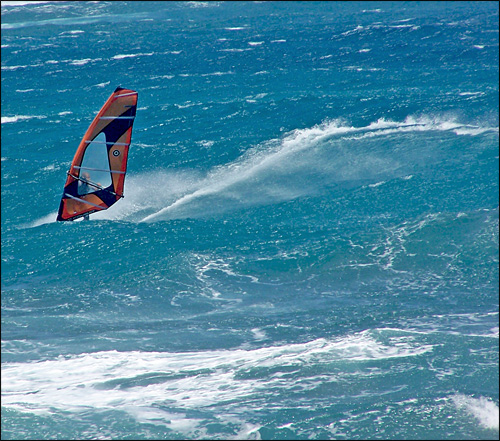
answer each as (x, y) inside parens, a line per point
(95, 172)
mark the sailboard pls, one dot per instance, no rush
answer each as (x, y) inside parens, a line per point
(96, 177)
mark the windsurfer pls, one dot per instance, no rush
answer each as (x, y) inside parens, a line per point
(83, 184)
(87, 194)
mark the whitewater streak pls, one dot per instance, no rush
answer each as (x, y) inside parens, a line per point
(138, 381)
(298, 140)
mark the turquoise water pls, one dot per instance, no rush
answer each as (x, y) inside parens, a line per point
(308, 243)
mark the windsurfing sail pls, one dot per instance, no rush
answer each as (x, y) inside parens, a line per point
(97, 174)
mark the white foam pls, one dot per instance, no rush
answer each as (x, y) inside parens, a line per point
(402, 26)
(49, 218)
(468, 324)
(23, 3)
(471, 93)
(484, 409)
(138, 382)
(13, 119)
(353, 31)
(206, 265)
(199, 4)
(473, 131)
(234, 50)
(74, 32)
(82, 61)
(217, 74)
(121, 56)
(384, 127)
(14, 67)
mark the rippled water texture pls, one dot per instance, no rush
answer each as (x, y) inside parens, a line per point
(308, 243)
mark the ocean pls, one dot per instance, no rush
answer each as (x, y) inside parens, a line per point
(308, 243)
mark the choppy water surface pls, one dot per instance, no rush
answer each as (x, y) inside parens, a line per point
(308, 243)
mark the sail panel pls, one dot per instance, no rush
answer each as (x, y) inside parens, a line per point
(118, 156)
(97, 174)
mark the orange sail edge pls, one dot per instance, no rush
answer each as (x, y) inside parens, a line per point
(72, 209)
(96, 176)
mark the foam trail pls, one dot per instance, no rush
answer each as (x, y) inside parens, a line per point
(246, 169)
(485, 410)
(255, 164)
(251, 165)
(48, 219)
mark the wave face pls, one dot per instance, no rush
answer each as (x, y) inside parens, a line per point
(308, 243)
